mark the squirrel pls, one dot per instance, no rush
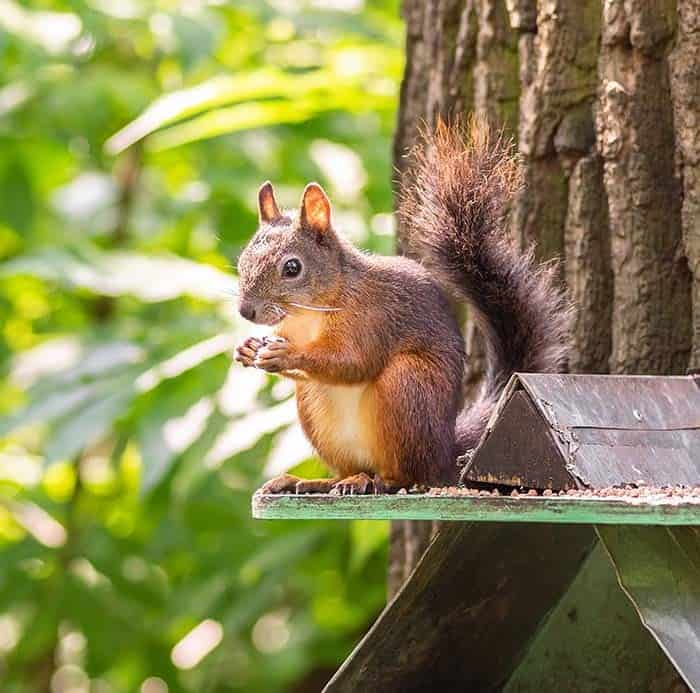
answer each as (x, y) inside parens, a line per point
(373, 342)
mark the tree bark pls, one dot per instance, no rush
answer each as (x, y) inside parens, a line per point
(685, 89)
(564, 207)
(604, 98)
(651, 300)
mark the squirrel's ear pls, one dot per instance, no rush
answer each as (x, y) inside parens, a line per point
(315, 209)
(267, 207)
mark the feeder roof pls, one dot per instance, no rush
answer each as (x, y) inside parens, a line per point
(564, 431)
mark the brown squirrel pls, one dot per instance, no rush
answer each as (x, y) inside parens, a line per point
(373, 342)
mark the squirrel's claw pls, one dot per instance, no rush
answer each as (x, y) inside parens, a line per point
(247, 351)
(274, 356)
(358, 484)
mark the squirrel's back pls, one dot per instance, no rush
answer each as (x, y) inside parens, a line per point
(454, 207)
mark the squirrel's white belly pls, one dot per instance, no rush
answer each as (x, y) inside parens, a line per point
(338, 421)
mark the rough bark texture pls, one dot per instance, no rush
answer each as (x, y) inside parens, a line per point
(588, 271)
(564, 207)
(685, 89)
(496, 84)
(604, 96)
(651, 304)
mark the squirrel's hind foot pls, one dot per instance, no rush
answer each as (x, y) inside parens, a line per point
(356, 485)
(288, 483)
(363, 484)
(315, 485)
(285, 483)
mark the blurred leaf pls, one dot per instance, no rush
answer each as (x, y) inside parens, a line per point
(233, 119)
(175, 416)
(368, 536)
(48, 408)
(149, 278)
(52, 31)
(69, 360)
(243, 433)
(86, 426)
(87, 195)
(16, 196)
(211, 93)
(278, 554)
(288, 98)
(311, 468)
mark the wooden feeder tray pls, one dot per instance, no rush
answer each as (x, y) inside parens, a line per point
(494, 601)
(663, 510)
(557, 432)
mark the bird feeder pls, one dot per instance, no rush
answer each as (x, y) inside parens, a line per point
(573, 561)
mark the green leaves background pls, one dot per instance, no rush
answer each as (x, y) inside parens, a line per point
(133, 136)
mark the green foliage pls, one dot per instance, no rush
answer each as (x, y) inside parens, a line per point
(133, 136)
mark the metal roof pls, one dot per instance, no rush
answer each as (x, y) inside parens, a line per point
(607, 430)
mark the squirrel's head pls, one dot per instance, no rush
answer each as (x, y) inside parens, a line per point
(291, 259)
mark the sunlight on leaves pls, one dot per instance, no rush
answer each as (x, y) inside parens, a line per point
(13, 96)
(85, 196)
(130, 442)
(70, 360)
(39, 524)
(53, 31)
(233, 119)
(243, 433)
(197, 644)
(240, 390)
(184, 360)
(210, 94)
(291, 447)
(149, 278)
(20, 467)
(342, 167)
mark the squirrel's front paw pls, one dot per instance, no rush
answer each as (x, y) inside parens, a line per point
(275, 355)
(247, 351)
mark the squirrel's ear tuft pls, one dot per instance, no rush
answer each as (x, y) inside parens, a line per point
(315, 209)
(268, 210)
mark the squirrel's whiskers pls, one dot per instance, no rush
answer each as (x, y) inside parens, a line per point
(234, 293)
(320, 309)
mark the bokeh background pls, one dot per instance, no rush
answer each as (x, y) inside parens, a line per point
(133, 137)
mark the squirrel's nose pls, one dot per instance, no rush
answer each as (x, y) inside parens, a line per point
(247, 310)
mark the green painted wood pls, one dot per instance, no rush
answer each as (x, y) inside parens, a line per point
(659, 570)
(465, 616)
(593, 641)
(668, 511)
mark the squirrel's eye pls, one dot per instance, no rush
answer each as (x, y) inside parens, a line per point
(291, 268)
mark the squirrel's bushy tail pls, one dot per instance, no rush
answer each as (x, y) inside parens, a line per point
(454, 208)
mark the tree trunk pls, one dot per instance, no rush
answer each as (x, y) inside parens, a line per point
(651, 298)
(603, 97)
(685, 90)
